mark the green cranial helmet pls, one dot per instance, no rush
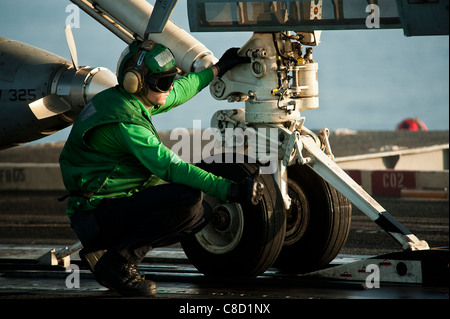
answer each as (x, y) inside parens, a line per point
(149, 62)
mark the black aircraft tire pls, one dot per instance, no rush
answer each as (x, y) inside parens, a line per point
(217, 251)
(322, 226)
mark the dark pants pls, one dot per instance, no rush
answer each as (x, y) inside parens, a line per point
(132, 226)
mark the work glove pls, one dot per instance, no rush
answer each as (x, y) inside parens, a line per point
(249, 190)
(229, 60)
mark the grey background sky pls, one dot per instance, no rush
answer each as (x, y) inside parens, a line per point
(368, 79)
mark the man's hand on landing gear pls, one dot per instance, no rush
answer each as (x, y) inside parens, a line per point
(247, 190)
(229, 60)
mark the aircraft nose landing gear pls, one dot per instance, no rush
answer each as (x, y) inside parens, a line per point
(240, 240)
(245, 240)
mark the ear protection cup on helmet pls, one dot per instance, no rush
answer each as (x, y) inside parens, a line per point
(132, 80)
(136, 63)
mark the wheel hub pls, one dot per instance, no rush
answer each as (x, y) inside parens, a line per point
(221, 219)
(297, 217)
(224, 231)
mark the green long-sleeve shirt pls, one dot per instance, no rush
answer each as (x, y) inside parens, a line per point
(123, 139)
(113, 149)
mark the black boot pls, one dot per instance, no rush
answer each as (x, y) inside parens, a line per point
(122, 276)
(90, 258)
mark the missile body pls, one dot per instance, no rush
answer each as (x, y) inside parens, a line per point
(41, 93)
(133, 16)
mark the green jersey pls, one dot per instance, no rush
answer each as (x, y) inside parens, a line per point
(114, 150)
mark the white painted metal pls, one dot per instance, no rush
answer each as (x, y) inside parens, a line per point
(257, 83)
(128, 18)
(222, 236)
(428, 158)
(375, 271)
(334, 175)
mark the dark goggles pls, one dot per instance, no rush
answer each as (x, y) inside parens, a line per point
(161, 82)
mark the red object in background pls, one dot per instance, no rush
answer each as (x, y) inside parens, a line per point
(412, 124)
(391, 182)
